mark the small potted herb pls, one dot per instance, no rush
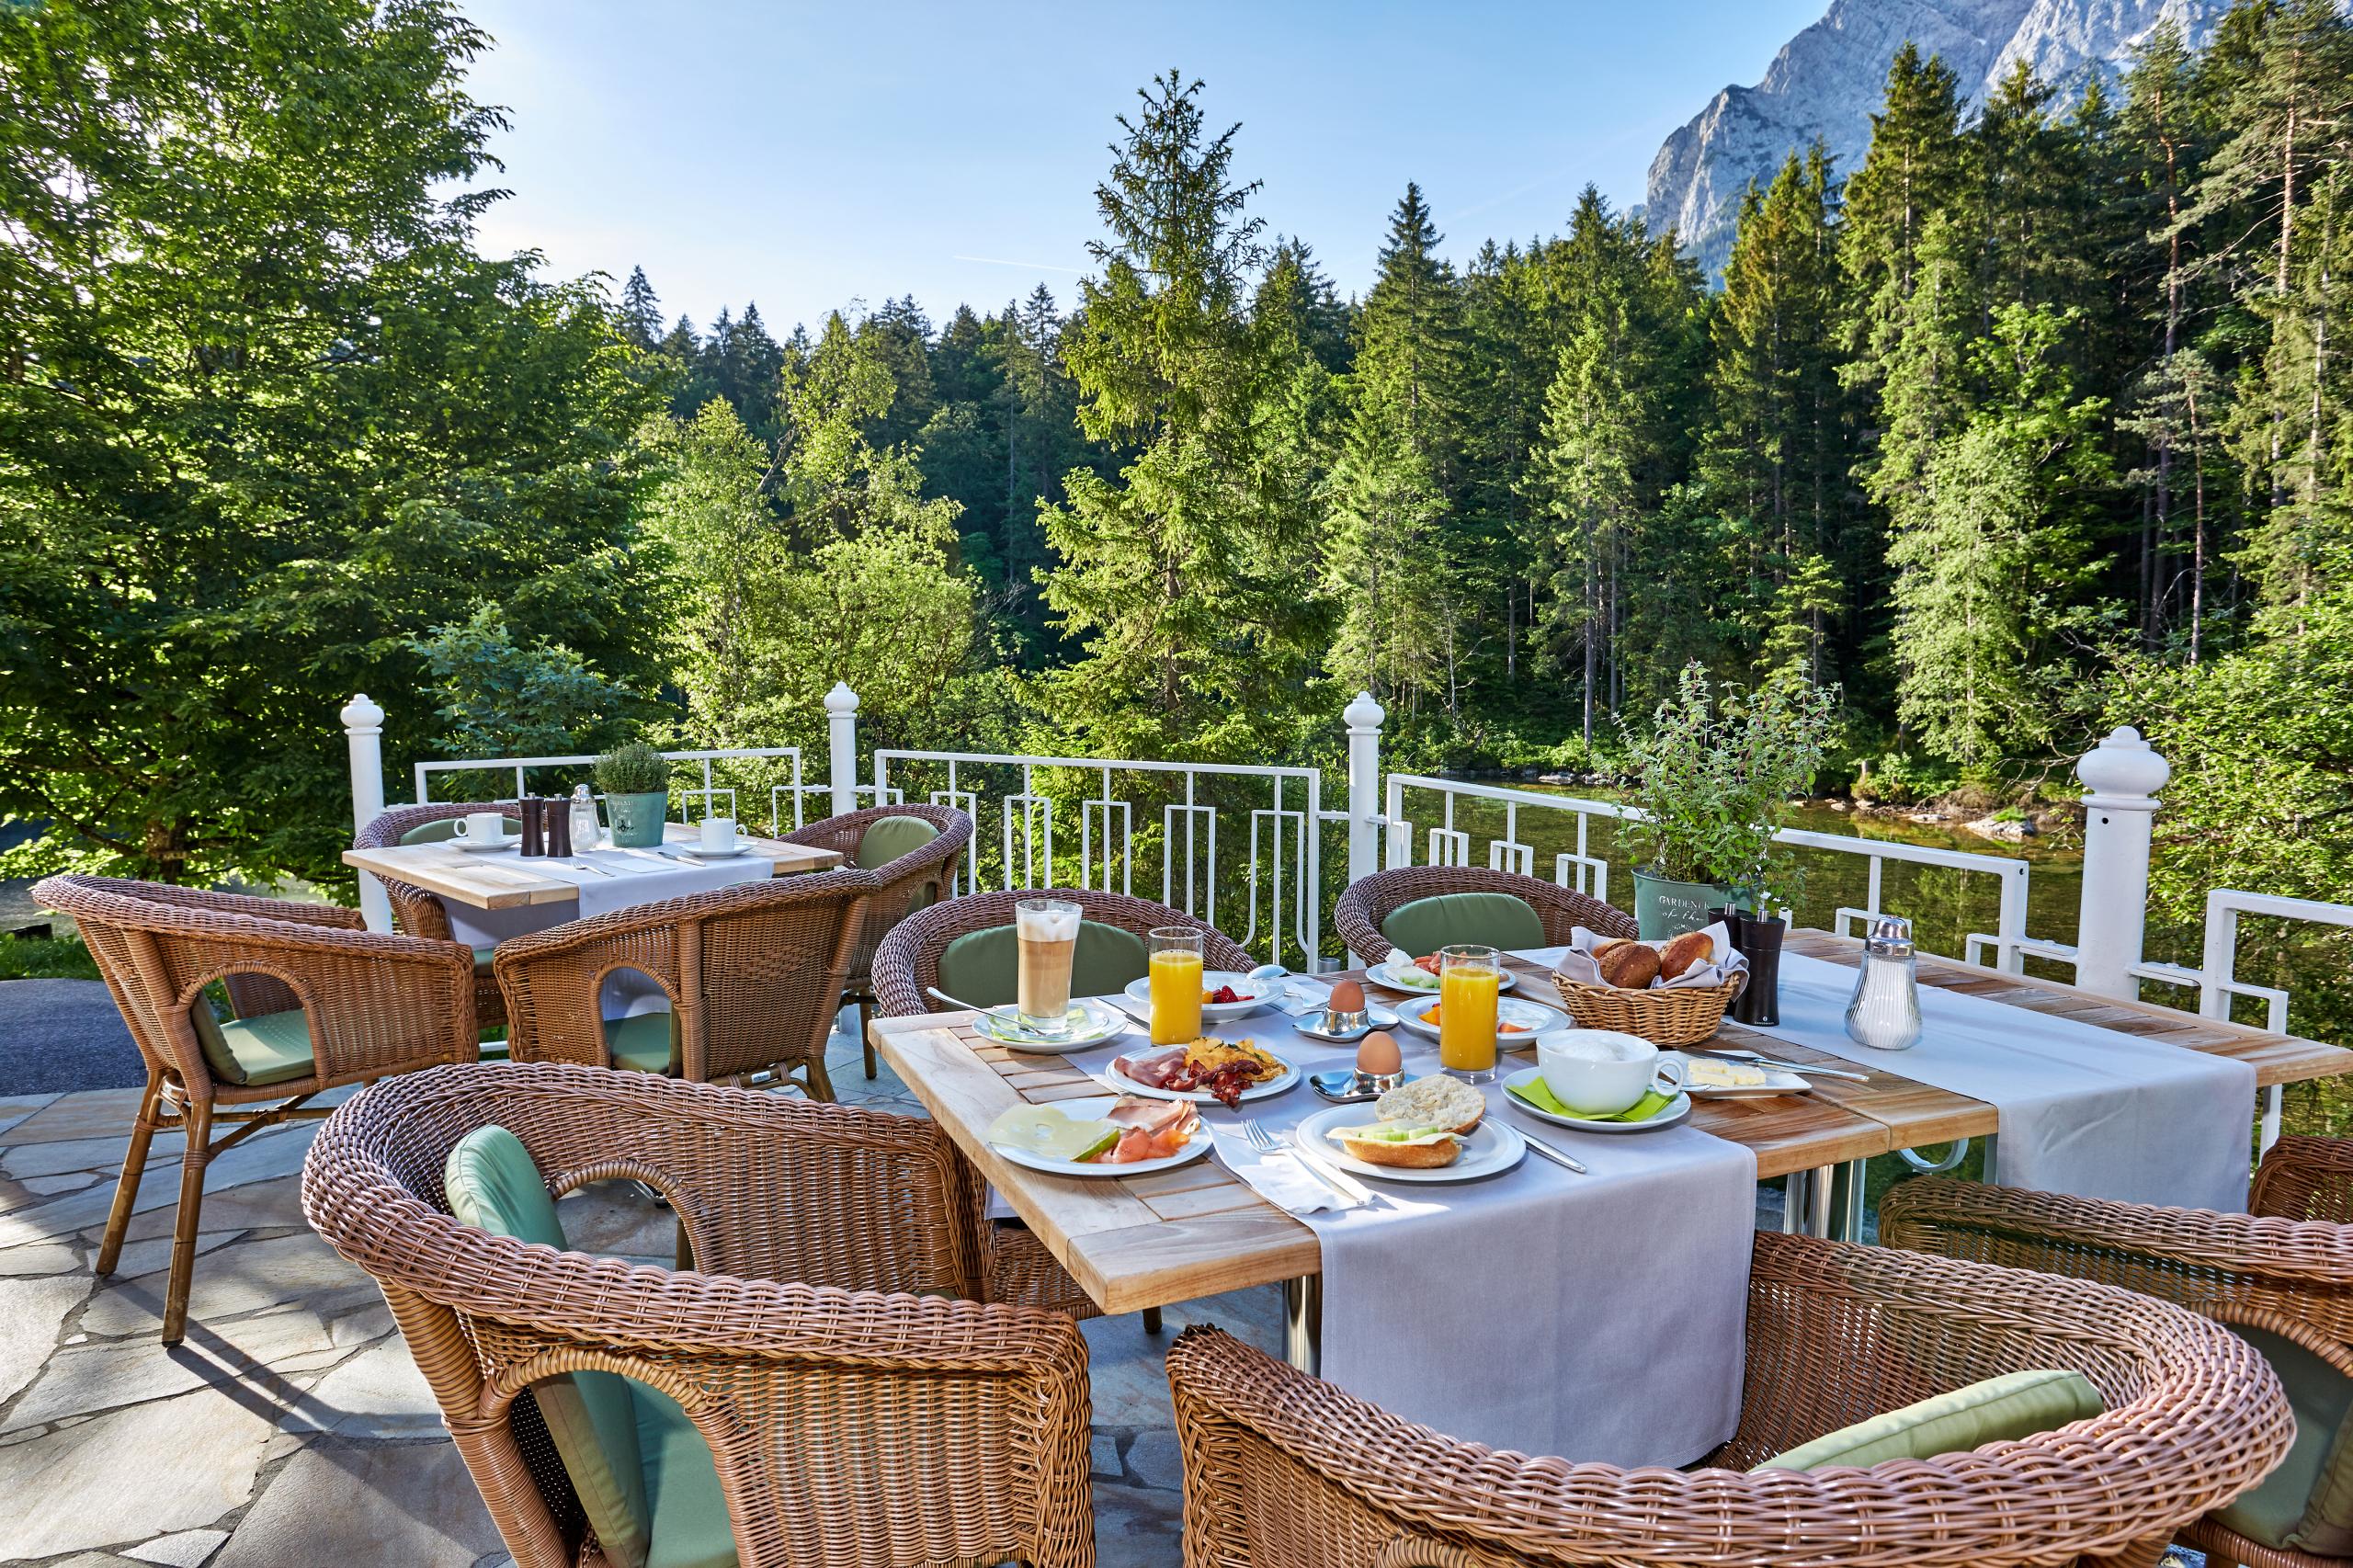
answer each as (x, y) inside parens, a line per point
(1714, 776)
(635, 780)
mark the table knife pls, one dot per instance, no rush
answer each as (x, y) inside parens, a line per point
(1553, 1155)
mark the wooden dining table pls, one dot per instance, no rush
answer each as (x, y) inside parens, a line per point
(1179, 1235)
(507, 881)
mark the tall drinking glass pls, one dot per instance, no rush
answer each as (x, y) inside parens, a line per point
(1175, 985)
(1045, 937)
(1470, 986)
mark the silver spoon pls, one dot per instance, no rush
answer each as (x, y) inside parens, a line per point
(956, 1001)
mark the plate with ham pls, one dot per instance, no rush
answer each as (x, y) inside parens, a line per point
(1226, 1071)
(1105, 1135)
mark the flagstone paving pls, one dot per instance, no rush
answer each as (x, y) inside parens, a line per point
(291, 1427)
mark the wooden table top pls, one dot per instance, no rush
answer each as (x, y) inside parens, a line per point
(507, 882)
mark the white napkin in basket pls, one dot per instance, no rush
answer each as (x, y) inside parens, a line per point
(1724, 960)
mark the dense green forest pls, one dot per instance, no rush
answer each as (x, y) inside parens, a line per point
(2037, 420)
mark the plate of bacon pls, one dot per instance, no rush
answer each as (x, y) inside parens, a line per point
(1226, 1071)
(1106, 1135)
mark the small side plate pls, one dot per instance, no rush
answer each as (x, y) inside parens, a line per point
(1776, 1083)
(1676, 1112)
(1103, 1022)
(1383, 975)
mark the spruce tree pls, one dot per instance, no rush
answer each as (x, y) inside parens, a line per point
(641, 315)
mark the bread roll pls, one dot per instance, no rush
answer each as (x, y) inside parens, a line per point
(1433, 1102)
(1428, 1156)
(1682, 952)
(1632, 966)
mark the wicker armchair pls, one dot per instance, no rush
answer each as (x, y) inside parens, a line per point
(1370, 900)
(915, 881)
(1017, 1266)
(852, 1420)
(2286, 1268)
(420, 913)
(1284, 1472)
(320, 1003)
(754, 973)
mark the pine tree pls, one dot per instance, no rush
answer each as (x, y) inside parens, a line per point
(640, 318)
(1907, 176)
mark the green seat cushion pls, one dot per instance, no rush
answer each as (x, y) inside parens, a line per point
(979, 965)
(2014, 1405)
(647, 1043)
(1493, 919)
(273, 1048)
(2306, 1504)
(434, 831)
(689, 1512)
(887, 839)
(481, 961)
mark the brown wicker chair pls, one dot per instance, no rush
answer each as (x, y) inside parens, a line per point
(1284, 1472)
(754, 973)
(371, 1004)
(1370, 900)
(915, 881)
(1017, 1265)
(2286, 1268)
(852, 1420)
(420, 913)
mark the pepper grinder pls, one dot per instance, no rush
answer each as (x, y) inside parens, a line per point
(557, 819)
(1884, 1013)
(535, 812)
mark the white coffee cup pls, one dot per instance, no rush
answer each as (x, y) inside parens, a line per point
(719, 833)
(481, 827)
(1602, 1072)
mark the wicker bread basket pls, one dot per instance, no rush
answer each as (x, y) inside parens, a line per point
(1683, 1015)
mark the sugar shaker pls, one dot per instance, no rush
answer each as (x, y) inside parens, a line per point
(1884, 1012)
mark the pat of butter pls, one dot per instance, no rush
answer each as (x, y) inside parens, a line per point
(1713, 1073)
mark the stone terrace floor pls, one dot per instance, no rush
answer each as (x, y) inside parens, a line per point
(291, 1428)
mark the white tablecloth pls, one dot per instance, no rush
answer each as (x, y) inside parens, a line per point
(1595, 1317)
(2093, 1112)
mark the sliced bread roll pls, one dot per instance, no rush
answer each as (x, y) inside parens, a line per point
(1437, 1101)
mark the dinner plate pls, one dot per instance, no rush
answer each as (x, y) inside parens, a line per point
(1535, 1017)
(1200, 1143)
(1388, 975)
(1777, 1081)
(1094, 1022)
(1676, 1113)
(1258, 992)
(485, 846)
(1490, 1148)
(1117, 1073)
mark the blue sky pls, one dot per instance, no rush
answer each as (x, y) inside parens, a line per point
(811, 157)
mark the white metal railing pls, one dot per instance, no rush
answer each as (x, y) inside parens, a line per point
(1282, 883)
(707, 793)
(1449, 844)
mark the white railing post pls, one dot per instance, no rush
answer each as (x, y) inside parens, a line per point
(841, 722)
(1364, 717)
(363, 726)
(2123, 776)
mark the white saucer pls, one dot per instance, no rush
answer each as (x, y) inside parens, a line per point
(1102, 1022)
(694, 846)
(1677, 1111)
(485, 846)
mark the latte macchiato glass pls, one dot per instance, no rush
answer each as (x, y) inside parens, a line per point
(1045, 939)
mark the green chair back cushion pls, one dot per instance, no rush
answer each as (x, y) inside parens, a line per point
(2306, 1504)
(2003, 1409)
(439, 828)
(646, 1042)
(491, 1185)
(273, 1048)
(979, 966)
(690, 1528)
(1494, 919)
(887, 839)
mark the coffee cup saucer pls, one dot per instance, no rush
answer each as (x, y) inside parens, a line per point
(1091, 1024)
(741, 846)
(484, 845)
(1675, 1113)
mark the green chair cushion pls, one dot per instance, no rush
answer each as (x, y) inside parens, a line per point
(273, 1048)
(691, 1526)
(439, 828)
(481, 962)
(1493, 919)
(2306, 1504)
(979, 965)
(2014, 1405)
(647, 1043)
(887, 839)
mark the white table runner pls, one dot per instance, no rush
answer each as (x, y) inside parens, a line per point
(2083, 1111)
(1594, 1317)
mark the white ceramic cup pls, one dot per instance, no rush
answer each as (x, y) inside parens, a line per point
(481, 827)
(1602, 1072)
(719, 833)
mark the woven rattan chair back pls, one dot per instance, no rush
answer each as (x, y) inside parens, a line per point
(907, 965)
(1368, 901)
(374, 1004)
(754, 973)
(917, 880)
(853, 1422)
(1285, 1471)
(421, 913)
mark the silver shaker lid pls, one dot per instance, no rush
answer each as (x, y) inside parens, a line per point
(1890, 938)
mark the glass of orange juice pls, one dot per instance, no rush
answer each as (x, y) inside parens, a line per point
(1470, 982)
(1175, 985)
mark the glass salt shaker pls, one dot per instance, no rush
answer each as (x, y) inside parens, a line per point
(1884, 1013)
(583, 820)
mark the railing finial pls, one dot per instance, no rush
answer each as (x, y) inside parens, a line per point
(841, 740)
(363, 729)
(841, 701)
(1364, 715)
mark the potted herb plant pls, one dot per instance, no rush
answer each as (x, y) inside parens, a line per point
(635, 780)
(1714, 776)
